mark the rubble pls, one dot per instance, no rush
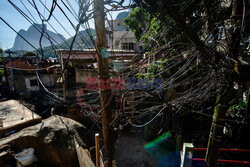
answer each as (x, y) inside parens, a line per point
(52, 140)
(14, 115)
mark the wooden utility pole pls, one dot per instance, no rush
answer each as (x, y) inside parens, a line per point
(103, 73)
(216, 131)
(12, 77)
(63, 76)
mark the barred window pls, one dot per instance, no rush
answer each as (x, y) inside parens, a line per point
(128, 46)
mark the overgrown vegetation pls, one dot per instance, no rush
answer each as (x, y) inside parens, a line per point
(191, 34)
(149, 29)
(238, 108)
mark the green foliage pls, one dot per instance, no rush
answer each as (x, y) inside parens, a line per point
(1, 74)
(154, 70)
(145, 27)
(82, 41)
(238, 109)
(29, 54)
(1, 51)
(137, 21)
(157, 67)
(150, 30)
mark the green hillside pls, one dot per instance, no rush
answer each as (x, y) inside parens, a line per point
(83, 40)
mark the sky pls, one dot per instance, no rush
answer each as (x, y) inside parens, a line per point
(18, 22)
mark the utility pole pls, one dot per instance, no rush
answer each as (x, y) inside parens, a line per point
(103, 73)
(216, 131)
(13, 87)
(63, 76)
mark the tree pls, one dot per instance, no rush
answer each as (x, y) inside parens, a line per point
(150, 30)
(29, 54)
(1, 51)
(200, 27)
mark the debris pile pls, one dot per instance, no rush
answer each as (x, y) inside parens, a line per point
(53, 141)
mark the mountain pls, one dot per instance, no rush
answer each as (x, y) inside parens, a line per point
(33, 36)
(83, 41)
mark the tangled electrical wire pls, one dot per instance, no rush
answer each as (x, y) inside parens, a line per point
(191, 77)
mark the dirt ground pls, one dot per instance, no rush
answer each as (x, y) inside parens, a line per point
(130, 152)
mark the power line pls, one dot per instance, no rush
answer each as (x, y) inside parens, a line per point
(75, 27)
(19, 34)
(26, 69)
(28, 11)
(47, 22)
(35, 49)
(29, 20)
(56, 21)
(77, 19)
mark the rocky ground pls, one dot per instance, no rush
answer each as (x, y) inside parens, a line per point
(52, 140)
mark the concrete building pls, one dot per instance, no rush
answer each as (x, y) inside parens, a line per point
(21, 74)
(120, 37)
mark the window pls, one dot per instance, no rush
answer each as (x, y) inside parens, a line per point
(128, 46)
(131, 46)
(33, 82)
